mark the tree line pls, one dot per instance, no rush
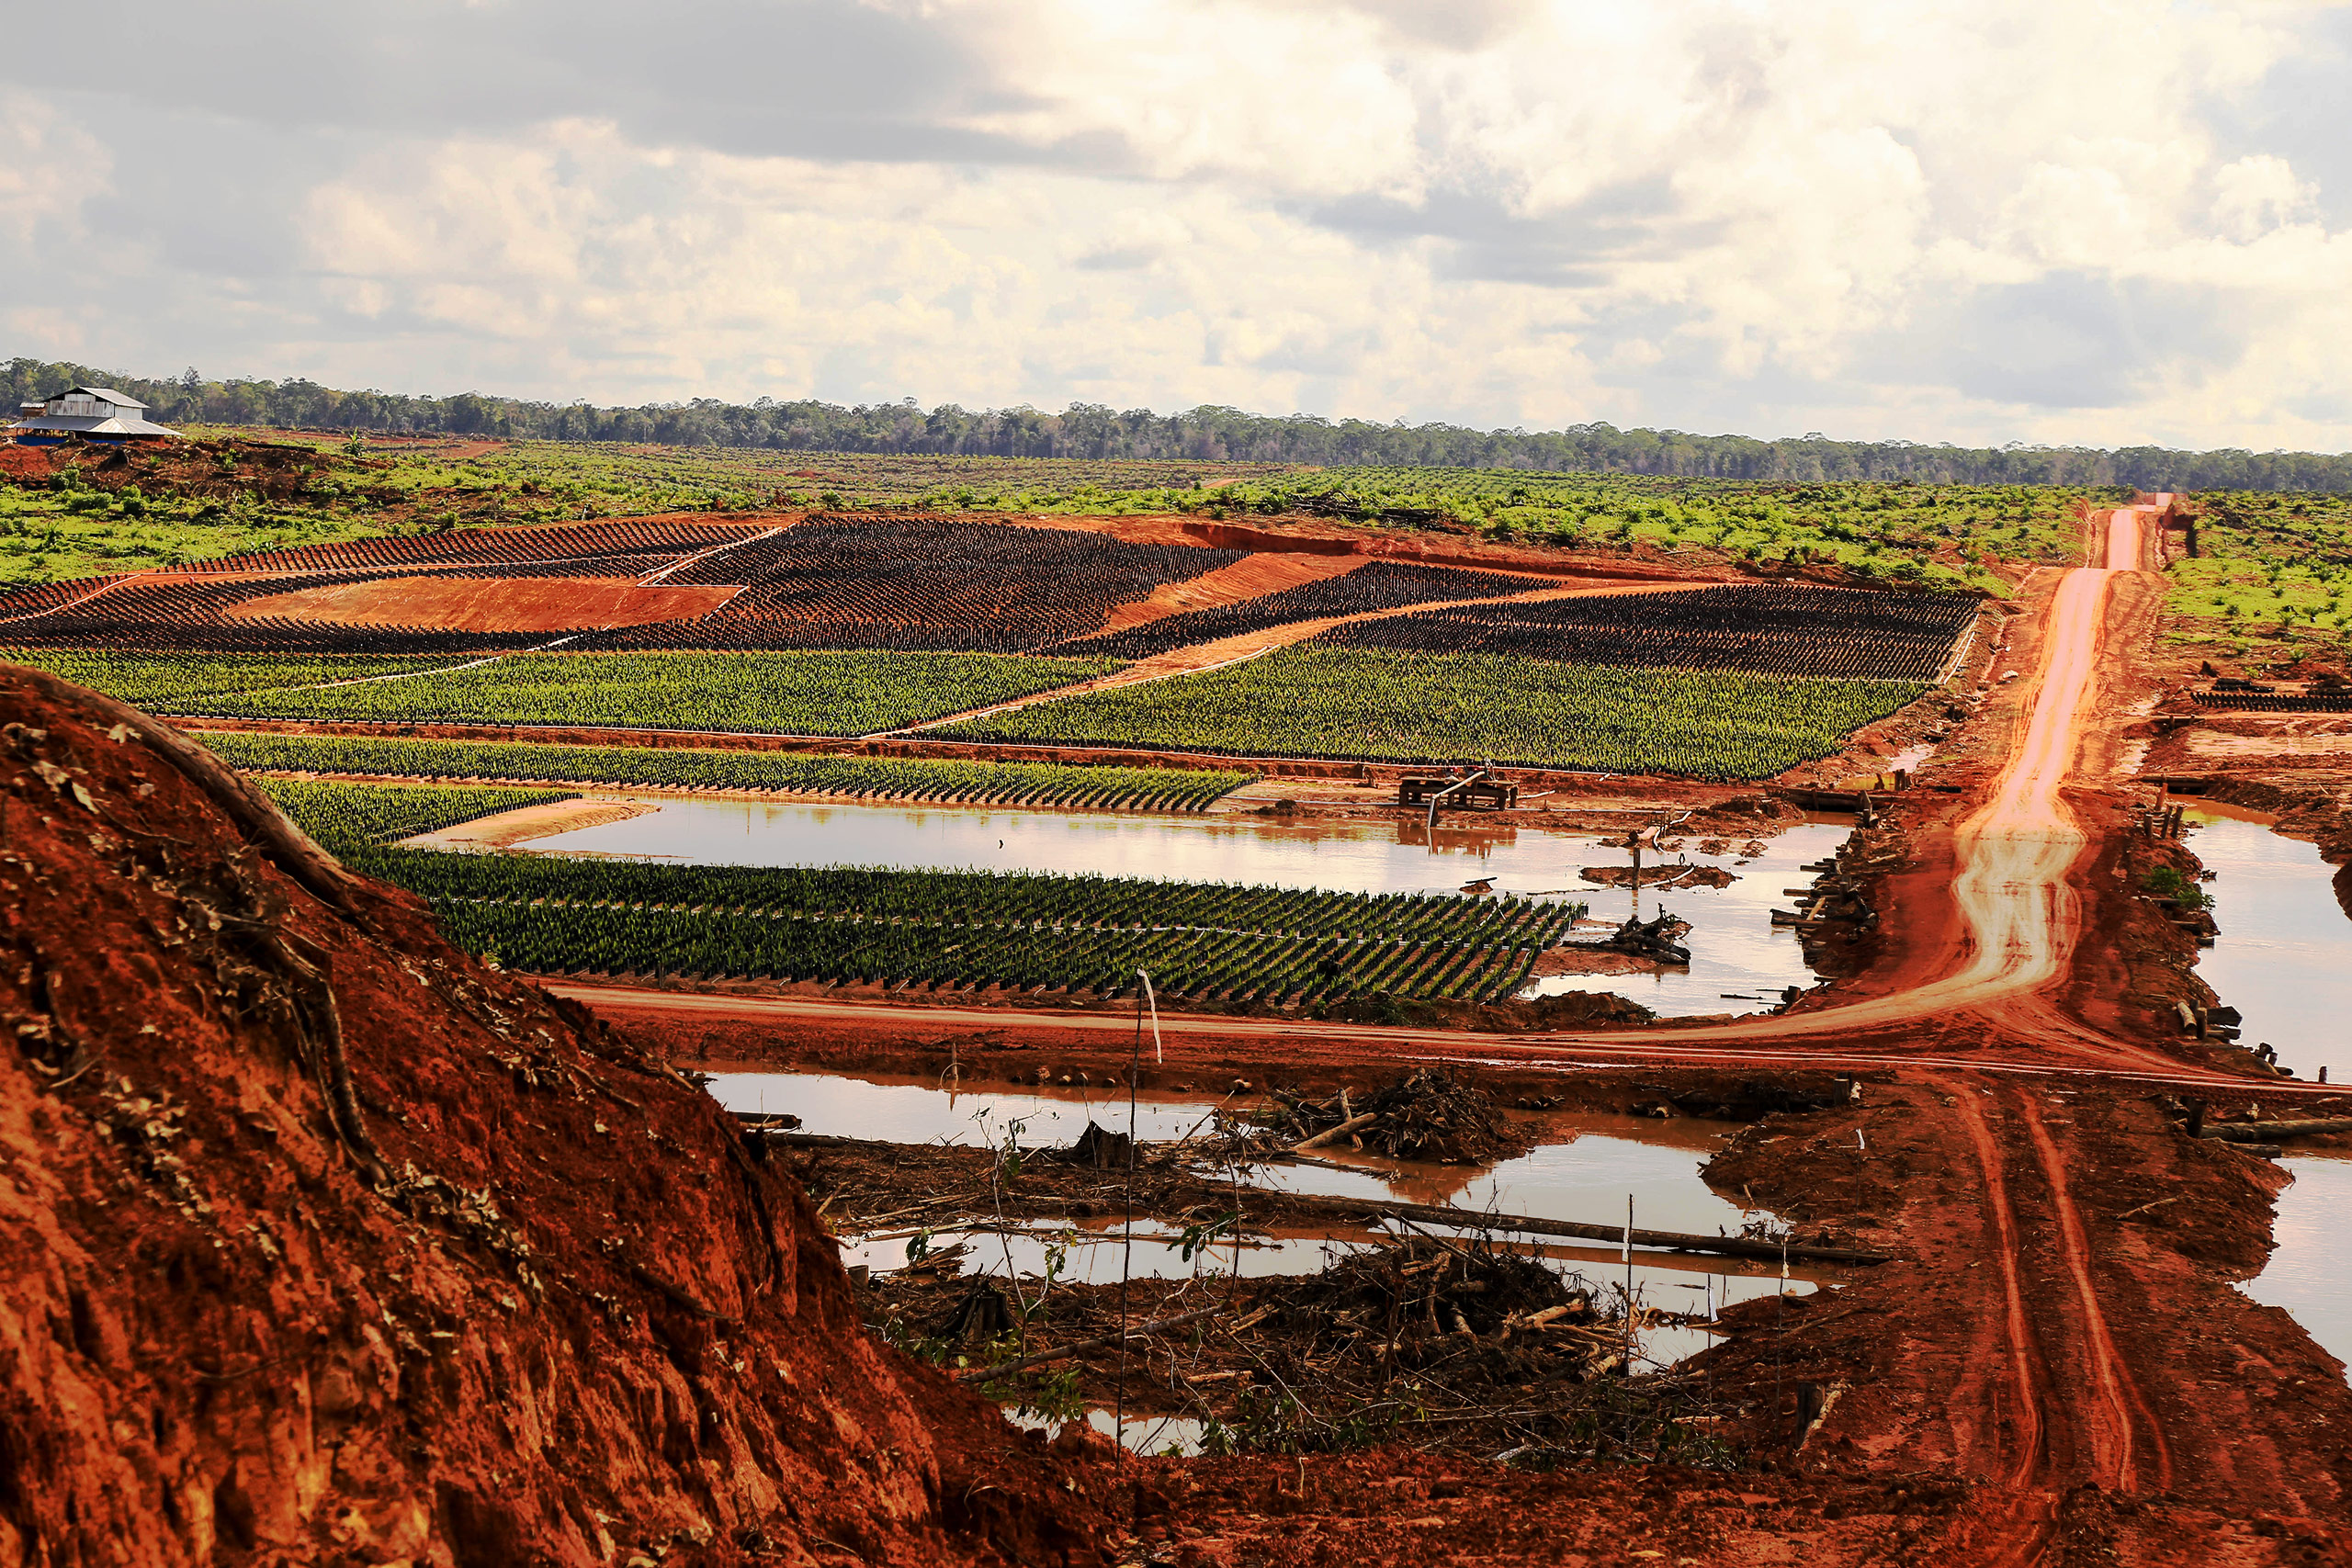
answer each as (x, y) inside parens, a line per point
(1209, 433)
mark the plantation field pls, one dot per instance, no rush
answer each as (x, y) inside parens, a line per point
(923, 582)
(552, 915)
(345, 819)
(1378, 705)
(170, 682)
(1382, 585)
(238, 493)
(871, 778)
(774, 693)
(1778, 630)
(2272, 578)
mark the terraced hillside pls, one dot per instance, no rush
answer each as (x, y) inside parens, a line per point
(837, 626)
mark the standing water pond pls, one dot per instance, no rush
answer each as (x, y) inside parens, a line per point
(1740, 962)
(2284, 957)
(1585, 1169)
(2307, 1274)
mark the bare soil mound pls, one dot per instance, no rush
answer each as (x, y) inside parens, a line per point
(488, 605)
(328, 1243)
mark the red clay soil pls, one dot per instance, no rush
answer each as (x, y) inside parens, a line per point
(1252, 577)
(489, 605)
(327, 1245)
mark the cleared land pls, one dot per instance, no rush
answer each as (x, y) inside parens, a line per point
(493, 605)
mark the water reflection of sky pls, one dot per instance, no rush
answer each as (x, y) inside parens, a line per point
(1737, 955)
(2284, 957)
(2308, 1274)
(1350, 857)
(1586, 1169)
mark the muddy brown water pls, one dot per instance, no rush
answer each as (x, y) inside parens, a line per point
(1740, 962)
(2284, 957)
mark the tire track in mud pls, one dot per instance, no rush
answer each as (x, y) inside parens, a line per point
(2047, 1442)
(2120, 1397)
(2021, 1457)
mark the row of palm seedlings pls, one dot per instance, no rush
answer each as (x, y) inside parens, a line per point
(1187, 965)
(348, 817)
(1038, 900)
(877, 779)
(1201, 941)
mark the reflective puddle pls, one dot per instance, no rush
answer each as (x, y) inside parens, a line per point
(901, 1109)
(1740, 961)
(1586, 1170)
(1347, 857)
(2284, 957)
(1167, 1436)
(2307, 1274)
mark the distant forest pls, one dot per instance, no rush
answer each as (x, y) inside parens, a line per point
(1092, 430)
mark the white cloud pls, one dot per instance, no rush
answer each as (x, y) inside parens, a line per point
(1933, 219)
(49, 167)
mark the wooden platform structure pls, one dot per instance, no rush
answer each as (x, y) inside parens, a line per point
(1478, 791)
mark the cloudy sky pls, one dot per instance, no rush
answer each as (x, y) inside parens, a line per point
(1979, 221)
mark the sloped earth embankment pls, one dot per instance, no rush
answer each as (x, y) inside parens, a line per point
(326, 1245)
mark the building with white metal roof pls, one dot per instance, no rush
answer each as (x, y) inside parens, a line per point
(100, 414)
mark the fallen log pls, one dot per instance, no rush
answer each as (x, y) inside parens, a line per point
(1528, 1224)
(1333, 1135)
(1078, 1348)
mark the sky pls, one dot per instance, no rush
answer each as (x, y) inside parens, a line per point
(2043, 220)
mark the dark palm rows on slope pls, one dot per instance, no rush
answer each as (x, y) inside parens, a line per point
(918, 585)
(1382, 585)
(933, 585)
(921, 584)
(1840, 633)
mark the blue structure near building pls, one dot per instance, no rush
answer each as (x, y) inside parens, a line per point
(95, 414)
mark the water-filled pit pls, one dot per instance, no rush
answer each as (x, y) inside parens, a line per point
(1740, 962)
(2284, 957)
(1584, 1170)
(2307, 1273)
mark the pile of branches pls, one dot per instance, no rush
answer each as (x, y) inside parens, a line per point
(1431, 1116)
(1465, 1348)
(1488, 1318)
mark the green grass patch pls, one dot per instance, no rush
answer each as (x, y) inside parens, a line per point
(1380, 706)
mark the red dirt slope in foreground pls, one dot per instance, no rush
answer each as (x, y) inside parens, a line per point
(323, 1244)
